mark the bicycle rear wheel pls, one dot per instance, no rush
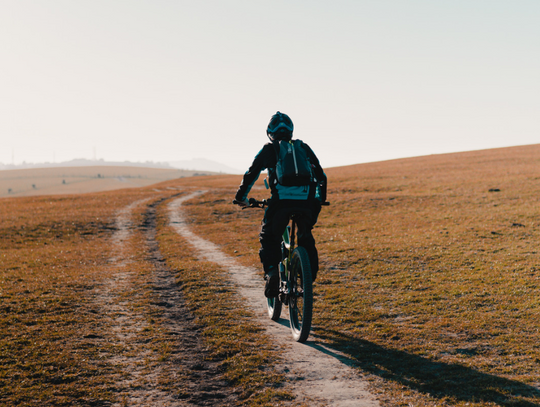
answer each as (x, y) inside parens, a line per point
(274, 308)
(301, 296)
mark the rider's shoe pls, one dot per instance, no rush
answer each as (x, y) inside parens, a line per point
(271, 288)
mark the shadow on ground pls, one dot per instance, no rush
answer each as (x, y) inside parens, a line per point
(440, 380)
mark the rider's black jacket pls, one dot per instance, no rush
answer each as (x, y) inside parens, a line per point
(267, 159)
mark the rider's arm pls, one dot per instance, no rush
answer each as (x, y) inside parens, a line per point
(260, 162)
(318, 172)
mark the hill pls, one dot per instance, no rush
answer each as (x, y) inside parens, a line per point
(202, 164)
(77, 180)
(429, 287)
(430, 276)
(196, 164)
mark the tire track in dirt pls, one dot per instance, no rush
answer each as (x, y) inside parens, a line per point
(317, 373)
(206, 387)
(141, 371)
(137, 386)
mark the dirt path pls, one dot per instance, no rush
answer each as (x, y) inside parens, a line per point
(186, 377)
(321, 373)
(125, 324)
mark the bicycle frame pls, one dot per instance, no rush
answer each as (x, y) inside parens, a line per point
(287, 249)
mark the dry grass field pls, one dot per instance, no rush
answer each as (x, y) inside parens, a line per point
(430, 284)
(78, 180)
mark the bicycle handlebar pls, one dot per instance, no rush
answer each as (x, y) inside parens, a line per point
(253, 203)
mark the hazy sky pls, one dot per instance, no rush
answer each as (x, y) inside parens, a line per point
(172, 80)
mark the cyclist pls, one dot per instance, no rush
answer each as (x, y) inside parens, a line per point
(285, 200)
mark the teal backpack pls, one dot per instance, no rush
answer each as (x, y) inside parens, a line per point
(293, 167)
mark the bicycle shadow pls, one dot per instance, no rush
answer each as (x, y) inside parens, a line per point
(284, 322)
(438, 379)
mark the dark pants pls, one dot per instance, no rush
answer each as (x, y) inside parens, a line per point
(275, 221)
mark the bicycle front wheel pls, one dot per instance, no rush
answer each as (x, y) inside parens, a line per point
(301, 295)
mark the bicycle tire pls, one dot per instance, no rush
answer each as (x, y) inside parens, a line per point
(274, 306)
(301, 297)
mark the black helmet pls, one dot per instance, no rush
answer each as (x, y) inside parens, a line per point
(280, 127)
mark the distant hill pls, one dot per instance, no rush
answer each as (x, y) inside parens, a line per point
(84, 179)
(202, 164)
(81, 162)
(196, 164)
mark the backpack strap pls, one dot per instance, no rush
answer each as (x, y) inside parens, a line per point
(275, 143)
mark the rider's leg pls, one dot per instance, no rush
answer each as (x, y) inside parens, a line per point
(270, 251)
(273, 225)
(306, 239)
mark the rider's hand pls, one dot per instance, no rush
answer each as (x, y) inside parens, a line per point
(243, 204)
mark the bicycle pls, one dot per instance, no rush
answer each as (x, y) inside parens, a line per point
(295, 280)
